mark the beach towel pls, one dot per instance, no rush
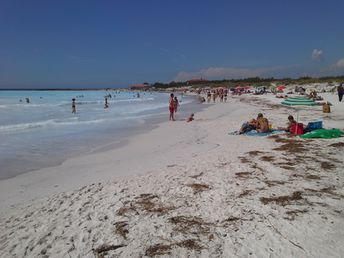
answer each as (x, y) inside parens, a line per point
(324, 133)
(255, 133)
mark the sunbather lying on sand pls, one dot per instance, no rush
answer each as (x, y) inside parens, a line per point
(248, 126)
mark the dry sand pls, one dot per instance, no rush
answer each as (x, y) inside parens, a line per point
(188, 190)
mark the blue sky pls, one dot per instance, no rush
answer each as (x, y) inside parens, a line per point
(117, 43)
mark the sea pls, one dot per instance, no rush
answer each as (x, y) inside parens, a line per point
(38, 128)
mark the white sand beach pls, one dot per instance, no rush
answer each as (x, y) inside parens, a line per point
(188, 190)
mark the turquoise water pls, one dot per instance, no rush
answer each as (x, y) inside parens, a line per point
(44, 132)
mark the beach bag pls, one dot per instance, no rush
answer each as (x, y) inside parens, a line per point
(326, 108)
(296, 128)
(314, 126)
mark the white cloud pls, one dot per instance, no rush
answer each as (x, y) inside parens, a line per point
(317, 54)
(223, 73)
(339, 64)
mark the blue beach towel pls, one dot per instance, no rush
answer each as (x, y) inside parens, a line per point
(255, 133)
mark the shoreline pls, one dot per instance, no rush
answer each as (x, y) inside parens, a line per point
(196, 191)
(49, 179)
(86, 143)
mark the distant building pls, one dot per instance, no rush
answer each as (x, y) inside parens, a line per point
(143, 86)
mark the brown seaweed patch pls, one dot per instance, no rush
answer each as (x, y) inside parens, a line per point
(190, 244)
(327, 165)
(145, 203)
(101, 250)
(283, 164)
(287, 167)
(243, 174)
(188, 225)
(337, 145)
(122, 228)
(267, 158)
(282, 200)
(271, 183)
(197, 188)
(230, 221)
(327, 190)
(245, 193)
(282, 140)
(312, 177)
(158, 249)
(292, 146)
(293, 213)
(255, 153)
(162, 249)
(255, 166)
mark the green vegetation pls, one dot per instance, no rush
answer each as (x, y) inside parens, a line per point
(255, 81)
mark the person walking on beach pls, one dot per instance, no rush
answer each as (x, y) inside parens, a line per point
(73, 107)
(340, 90)
(171, 107)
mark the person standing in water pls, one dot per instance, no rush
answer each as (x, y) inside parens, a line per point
(73, 107)
(106, 105)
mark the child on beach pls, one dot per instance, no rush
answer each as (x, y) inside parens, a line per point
(190, 118)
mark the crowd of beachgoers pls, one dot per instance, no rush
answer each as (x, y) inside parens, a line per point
(215, 187)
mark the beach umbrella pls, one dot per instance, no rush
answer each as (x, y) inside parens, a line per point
(298, 101)
(280, 87)
(299, 104)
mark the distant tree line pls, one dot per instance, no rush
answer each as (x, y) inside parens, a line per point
(253, 81)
